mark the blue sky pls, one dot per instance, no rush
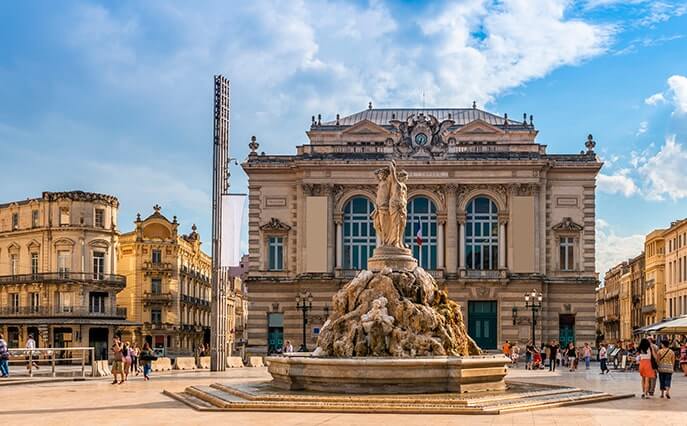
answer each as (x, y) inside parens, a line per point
(116, 97)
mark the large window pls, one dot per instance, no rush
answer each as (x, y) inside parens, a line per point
(34, 218)
(481, 234)
(99, 218)
(566, 253)
(276, 253)
(64, 262)
(156, 316)
(359, 239)
(421, 231)
(156, 285)
(64, 216)
(35, 299)
(98, 265)
(14, 303)
(156, 256)
(34, 263)
(15, 221)
(97, 302)
(14, 264)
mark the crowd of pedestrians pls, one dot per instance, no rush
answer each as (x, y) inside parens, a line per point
(130, 359)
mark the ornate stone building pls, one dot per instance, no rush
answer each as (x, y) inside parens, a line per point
(168, 285)
(653, 309)
(491, 215)
(676, 269)
(58, 259)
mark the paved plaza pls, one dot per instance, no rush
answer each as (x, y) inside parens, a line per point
(142, 403)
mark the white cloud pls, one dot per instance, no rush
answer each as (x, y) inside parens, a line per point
(655, 99)
(517, 41)
(643, 127)
(678, 88)
(612, 249)
(619, 183)
(664, 174)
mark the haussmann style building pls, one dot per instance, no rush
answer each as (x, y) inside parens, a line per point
(491, 215)
(58, 263)
(168, 286)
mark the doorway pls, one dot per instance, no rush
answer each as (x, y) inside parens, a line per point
(98, 339)
(275, 332)
(482, 323)
(566, 329)
(13, 337)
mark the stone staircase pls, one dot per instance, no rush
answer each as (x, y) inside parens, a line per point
(519, 397)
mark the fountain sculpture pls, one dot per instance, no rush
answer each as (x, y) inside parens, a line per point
(391, 328)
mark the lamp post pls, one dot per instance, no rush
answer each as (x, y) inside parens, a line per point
(304, 303)
(533, 301)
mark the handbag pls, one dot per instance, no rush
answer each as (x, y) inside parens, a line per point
(654, 364)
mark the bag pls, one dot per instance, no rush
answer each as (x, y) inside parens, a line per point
(654, 364)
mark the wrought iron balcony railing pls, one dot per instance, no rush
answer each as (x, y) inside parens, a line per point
(153, 297)
(64, 277)
(61, 311)
(158, 266)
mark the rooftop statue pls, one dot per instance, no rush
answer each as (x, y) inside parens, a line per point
(396, 308)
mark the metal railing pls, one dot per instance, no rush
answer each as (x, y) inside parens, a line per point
(157, 297)
(64, 276)
(32, 358)
(60, 311)
(158, 266)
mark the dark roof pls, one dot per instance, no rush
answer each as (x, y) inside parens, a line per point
(461, 116)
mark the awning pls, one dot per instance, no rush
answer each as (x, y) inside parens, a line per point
(667, 326)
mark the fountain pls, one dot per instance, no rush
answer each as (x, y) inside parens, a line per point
(391, 328)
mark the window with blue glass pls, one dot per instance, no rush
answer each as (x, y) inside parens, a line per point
(359, 238)
(482, 234)
(276, 253)
(421, 231)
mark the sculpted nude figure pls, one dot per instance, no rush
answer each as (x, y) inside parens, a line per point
(380, 215)
(398, 205)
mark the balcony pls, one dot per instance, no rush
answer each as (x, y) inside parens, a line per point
(481, 274)
(158, 268)
(60, 312)
(649, 309)
(195, 301)
(117, 281)
(157, 298)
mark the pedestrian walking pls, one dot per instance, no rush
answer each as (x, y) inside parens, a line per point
(4, 358)
(147, 357)
(515, 354)
(506, 348)
(587, 354)
(571, 353)
(118, 363)
(553, 351)
(126, 353)
(652, 382)
(31, 345)
(683, 357)
(666, 364)
(603, 358)
(135, 351)
(646, 370)
(529, 352)
(543, 354)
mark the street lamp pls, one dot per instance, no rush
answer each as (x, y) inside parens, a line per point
(533, 301)
(304, 303)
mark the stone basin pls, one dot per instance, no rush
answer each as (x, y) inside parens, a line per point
(385, 375)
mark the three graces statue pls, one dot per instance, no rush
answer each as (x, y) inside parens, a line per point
(391, 211)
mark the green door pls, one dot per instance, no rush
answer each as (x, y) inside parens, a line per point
(482, 323)
(275, 332)
(566, 329)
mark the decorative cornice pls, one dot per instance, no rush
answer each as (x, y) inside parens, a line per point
(81, 196)
(275, 225)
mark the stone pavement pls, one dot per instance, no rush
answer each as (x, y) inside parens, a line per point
(142, 403)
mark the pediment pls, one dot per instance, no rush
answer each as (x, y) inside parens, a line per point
(275, 225)
(34, 244)
(479, 127)
(567, 225)
(64, 242)
(99, 243)
(366, 127)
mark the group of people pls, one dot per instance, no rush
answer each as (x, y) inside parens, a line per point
(129, 359)
(537, 357)
(658, 361)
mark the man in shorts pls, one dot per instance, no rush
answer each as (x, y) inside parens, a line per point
(118, 364)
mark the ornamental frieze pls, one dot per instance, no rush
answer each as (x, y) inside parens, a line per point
(567, 225)
(275, 225)
(524, 189)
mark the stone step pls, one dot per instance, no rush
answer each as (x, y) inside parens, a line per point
(551, 401)
(191, 400)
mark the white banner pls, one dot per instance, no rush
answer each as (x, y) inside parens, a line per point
(232, 217)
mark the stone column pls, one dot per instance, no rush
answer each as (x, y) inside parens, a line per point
(440, 244)
(461, 243)
(339, 241)
(331, 239)
(451, 231)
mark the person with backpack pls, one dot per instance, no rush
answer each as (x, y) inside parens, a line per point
(4, 357)
(146, 358)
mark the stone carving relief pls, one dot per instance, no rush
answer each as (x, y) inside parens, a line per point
(524, 189)
(275, 225)
(567, 225)
(421, 136)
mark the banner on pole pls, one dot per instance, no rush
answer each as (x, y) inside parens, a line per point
(232, 217)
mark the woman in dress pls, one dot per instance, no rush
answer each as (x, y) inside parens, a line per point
(646, 370)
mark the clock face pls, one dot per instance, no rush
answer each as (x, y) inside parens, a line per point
(421, 139)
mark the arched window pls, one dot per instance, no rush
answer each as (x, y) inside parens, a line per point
(481, 234)
(359, 238)
(421, 231)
